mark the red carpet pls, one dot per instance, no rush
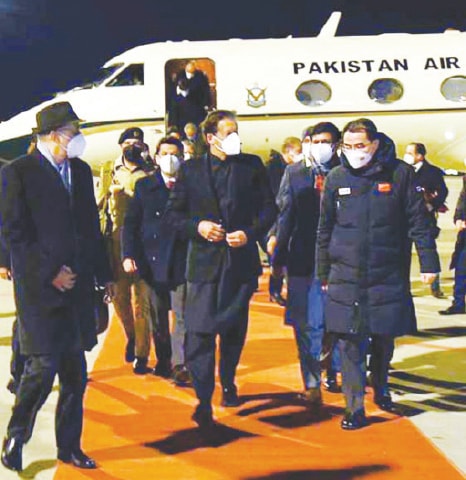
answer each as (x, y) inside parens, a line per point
(140, 427)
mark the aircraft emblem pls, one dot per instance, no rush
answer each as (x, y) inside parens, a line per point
(256, 96)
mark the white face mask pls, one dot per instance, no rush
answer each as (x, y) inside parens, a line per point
(76, 146)
(307, 149)
(231, 145)
(321, 152)
(409, 159)
(297, 157)
(357, 158)
(169, 164)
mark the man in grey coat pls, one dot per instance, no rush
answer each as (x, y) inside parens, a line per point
(49, 222)
(371, 211)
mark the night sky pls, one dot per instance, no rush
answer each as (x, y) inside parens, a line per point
(52, 45)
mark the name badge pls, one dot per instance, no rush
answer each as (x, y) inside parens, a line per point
(384, 187)
(344, 191)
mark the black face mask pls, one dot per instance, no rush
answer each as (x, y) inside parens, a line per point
(132, 154)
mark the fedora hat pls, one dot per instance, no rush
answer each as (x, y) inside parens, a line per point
(54, 116)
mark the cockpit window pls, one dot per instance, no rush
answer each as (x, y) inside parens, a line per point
(101, 75)
(454, 88)
(131, 75)
(385, 90)
(313, 93)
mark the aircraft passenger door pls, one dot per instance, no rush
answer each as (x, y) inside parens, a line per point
(189, 99)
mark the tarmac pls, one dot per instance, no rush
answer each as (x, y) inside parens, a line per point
(429, 375)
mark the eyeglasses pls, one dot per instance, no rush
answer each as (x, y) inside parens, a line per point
(357, 146)
(66, 135)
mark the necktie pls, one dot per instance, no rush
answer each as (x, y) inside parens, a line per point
(64, 171)
(319, 182)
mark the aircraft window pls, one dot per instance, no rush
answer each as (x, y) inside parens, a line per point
(385, 90)
(101, 75)
(454, 89)
(131, 75)
(313, 93)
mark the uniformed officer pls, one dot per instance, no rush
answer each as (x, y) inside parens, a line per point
(116, 187)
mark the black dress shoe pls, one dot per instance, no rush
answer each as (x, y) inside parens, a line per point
(277, 298)
(385, 403)
(438, 294)
(181, 376)
(12, 454)
(230, 397)
(203, 417)
(129, 351)
(331, 384)
(453, 310)
(77, 458)
(354, 420)
(140, 366)
(162, 370)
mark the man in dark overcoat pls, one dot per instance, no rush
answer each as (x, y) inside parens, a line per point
(275, 168)
(458, 258)
(50, 223)
(370, 212)
(430, 181)
(192, 95)
(223, 203)
(296, 230)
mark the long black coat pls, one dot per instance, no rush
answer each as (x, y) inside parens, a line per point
(367, 219)
(296, 226)
(296, 231)
(158, 252)
(251, 209)
(193, 107)
(460, 214)
(45, 227)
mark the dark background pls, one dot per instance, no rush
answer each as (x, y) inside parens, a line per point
(53, 45)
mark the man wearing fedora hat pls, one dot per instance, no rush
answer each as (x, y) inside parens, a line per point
(49, 222)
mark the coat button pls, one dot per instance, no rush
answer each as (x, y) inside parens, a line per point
(155, 235)
(153, 259)
(157, 214)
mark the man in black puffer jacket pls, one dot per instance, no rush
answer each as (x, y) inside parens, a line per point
(370, 213)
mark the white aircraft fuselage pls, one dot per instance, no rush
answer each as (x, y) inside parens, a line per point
(413, 86)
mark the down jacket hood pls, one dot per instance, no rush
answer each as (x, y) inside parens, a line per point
(383, 157)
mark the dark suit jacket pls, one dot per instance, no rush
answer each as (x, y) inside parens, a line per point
(251, 209)
(158, 252)
(430, 178)
(275, 168)
(44, 228)
(4, 255)
(298, 219)
(193, 107)
(460, 214)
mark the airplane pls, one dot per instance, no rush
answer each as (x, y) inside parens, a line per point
(413, 86)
